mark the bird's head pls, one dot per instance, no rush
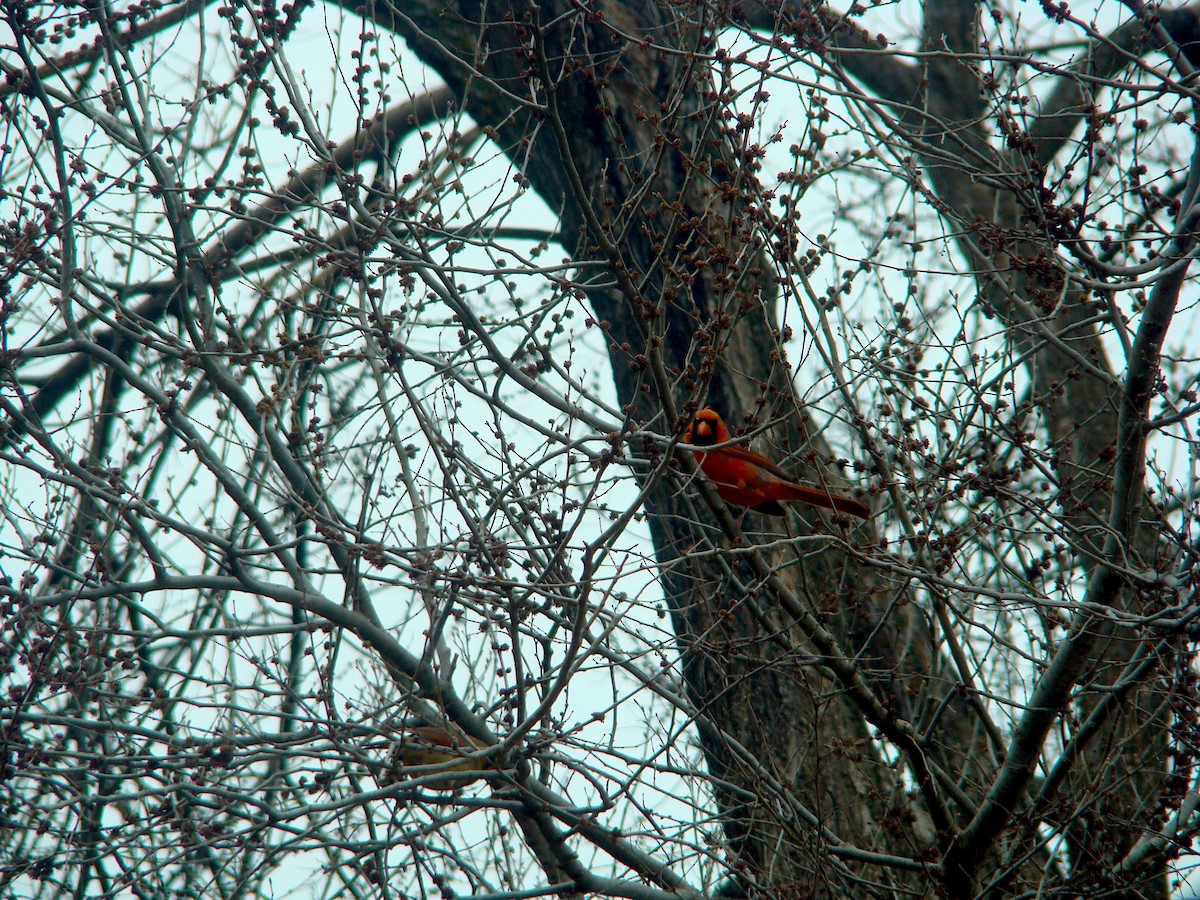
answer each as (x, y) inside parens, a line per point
(706, 429)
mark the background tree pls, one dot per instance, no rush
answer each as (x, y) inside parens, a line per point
(348, 544)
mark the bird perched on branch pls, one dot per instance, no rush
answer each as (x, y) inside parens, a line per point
(429, 745)
(745, 478)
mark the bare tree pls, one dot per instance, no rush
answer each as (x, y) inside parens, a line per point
(350, 542)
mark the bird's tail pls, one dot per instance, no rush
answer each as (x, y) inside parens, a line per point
(799, 493)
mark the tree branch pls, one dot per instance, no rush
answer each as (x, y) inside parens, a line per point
(301, 188)
(1068, 104)
(864, 56)
(1050, 695)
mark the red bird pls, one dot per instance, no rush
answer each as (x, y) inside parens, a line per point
(744, 478)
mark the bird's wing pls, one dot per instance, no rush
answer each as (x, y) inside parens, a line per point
(759, 468)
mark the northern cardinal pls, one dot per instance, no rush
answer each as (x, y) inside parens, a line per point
(744, 478)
